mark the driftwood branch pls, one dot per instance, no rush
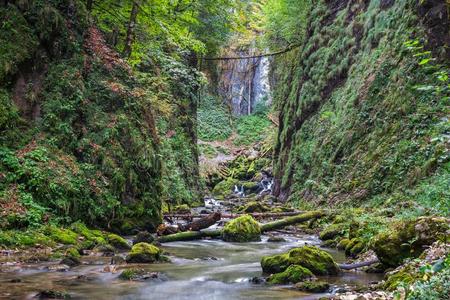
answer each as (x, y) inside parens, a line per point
(358, 265)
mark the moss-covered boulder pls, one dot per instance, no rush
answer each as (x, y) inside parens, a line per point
(61, 235)
(95, 236)
(319, 262)
(313, 286)
(242, 229)
(332, 231)
(408, 239)
(71, 257)
(224, 188)
(118, 242)
(144, 253)
(143, 237)
(354, 247)
(342, 244)
(292, 274)
(255, 207)
(137, 274)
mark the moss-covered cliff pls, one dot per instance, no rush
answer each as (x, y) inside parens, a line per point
(362, 114)
(80, 131)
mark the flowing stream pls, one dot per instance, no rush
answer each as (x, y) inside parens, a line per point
(204, 269)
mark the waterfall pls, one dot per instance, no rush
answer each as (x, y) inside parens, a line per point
(244, 83)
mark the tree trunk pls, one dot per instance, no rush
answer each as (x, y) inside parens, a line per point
(189, 236)
(130, 30)
(196, 235)
(202, 223)
(358, 265)
(291, 220)
(232, 216)
(89, 4)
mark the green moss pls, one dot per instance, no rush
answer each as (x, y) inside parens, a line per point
(254, 207)
(144, 253)
(118, 242)
(354, 247)
(132, 274)
(316, 260)
(224, 188)
(343, 244)
(182, 209)
(95, 236)
(313, 286)
(408, 238)
(403, 277)
(292, 274)
(73, 252)
(61, 235)
(242, 229)
(332, 231)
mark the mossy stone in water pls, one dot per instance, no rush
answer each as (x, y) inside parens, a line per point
(408, 238)
(118, 242)
(319, 262)
(242, 229)
(255, 207)
(144, 253)
(313, 286)
(354, 247)
(331, 232)
(343, 244)
(143, 237)
(292, 274)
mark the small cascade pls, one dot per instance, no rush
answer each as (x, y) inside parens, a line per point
(266, 184)
(239, 191)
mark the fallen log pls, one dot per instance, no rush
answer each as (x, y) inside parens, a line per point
(195, 235)
(201, 223)
(358, 265)
(189, 236)
(292, 220)
(232, 216)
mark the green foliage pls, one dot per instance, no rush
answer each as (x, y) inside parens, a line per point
(251, 128)
(285, 21)
(214, 121)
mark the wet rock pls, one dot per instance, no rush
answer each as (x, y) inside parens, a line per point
(316, 260)
(292, 274)
(118, 242)
(105, 250)
(313, 286)
(143, 237)
(408, 239)
(50, 294)
(329, 244)
(375, 268)
(276, 239)
(70, 261)
(15, 280)
(209, 258)
(332, 232)
(58, 268)
(343, 244)
(257, 280)
(354, 247)
(242, 229)
(144, 253)
(117, 260)
(255, 207)
(136, 274)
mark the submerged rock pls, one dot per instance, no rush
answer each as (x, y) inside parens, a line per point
(242, 229)
(144, 253)
(135, 274)
(276, 239)
(319, 262)
(50, 294)
(292, 274)
(143, 237)
(313, 286)
(408, 238)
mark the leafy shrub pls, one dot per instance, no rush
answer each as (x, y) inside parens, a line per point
(214, 121)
